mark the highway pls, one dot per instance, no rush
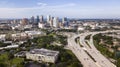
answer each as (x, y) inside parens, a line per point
(88, 55)
(80, 54)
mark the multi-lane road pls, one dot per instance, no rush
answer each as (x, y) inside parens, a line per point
(87, 54)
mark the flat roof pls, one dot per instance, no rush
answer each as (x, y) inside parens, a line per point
(43, 51)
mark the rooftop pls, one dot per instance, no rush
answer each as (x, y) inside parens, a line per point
(43, 51)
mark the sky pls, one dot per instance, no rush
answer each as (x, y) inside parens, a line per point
(60, 8)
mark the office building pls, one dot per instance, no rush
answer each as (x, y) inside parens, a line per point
(42, 55)
(51, 23)
(65, 22)
(41, 19)
(37, 19)
(48, 19)
(32, 19)
(56, 22)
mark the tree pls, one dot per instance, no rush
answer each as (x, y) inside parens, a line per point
(8, 36)
(75, 64)
(2, 64)
(118, 62)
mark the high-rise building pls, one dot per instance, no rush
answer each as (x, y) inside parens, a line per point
(37, 19)
(51, 23)
(56, 22)
(32, 19)
(65, 22)
(48, 19)
(41, 19)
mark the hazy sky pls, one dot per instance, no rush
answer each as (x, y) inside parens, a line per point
(60, 8)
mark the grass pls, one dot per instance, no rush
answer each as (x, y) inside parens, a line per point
(17, 60)
(4, 57)
(7, 61)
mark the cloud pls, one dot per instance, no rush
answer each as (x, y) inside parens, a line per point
(71, 4)
(63, 5)
(41, 4)
(41, 8)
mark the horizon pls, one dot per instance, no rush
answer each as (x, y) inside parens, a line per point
(101, 9)
(66, 17)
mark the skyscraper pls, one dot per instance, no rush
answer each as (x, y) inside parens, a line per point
(32, 19)
(65, 22)
(56, 22)
(51, 22)
(37, 19)
(41, 19)
(48, 19)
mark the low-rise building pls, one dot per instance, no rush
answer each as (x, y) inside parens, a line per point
(29, 26)
(32, 33)
(19, 36)
(2, 37)
(42, 55)
(11, 46)
(41, 25)
(80, 28)
(20, 54)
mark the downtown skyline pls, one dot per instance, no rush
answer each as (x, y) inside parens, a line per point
(60, 8)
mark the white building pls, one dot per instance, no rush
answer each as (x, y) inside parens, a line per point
(55, 22)
(48, 19)
(2, 37)
(42, 55)
(51, 22)
(85, 24)
(9, 47)
(41, 19)
(12, 46)
(80, 28)
(19, 36)
(32, 33)
(41, 25)
(29, 26)
(64, 20)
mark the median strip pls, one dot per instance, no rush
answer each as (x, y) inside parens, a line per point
(90, 56)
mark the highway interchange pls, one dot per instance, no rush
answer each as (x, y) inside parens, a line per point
(86, 52)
